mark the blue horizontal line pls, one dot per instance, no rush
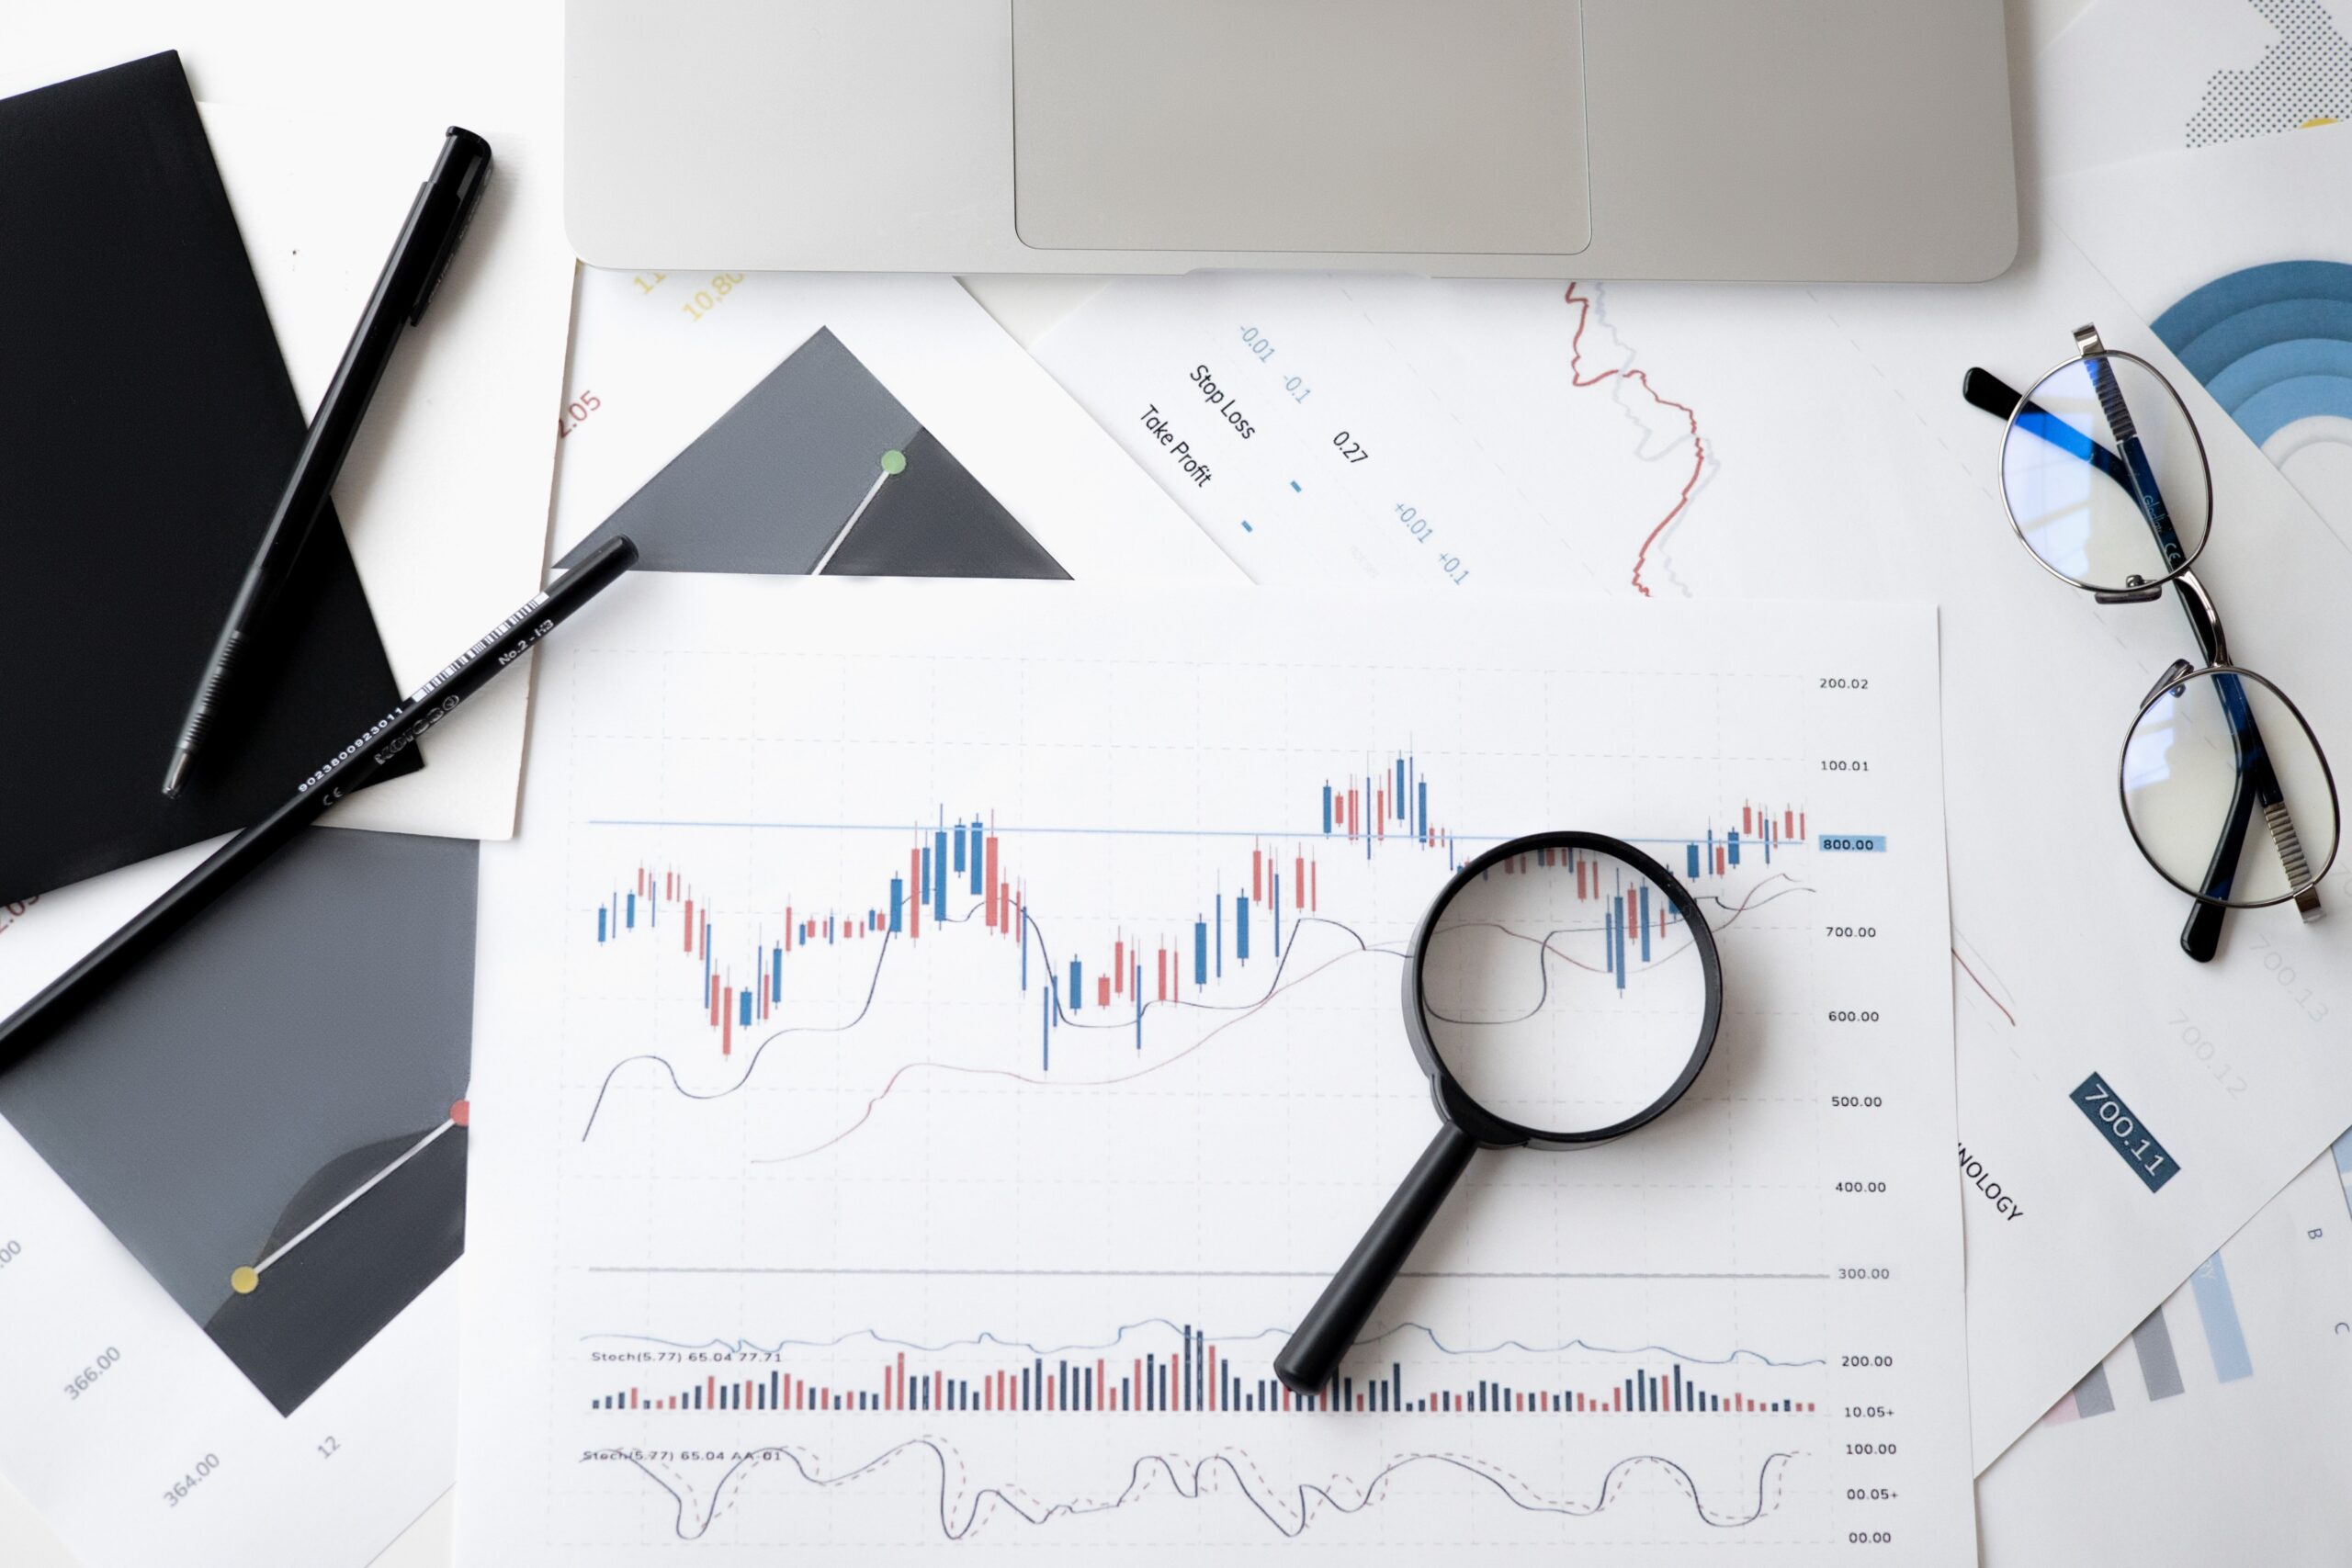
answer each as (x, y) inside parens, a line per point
(1302, 834)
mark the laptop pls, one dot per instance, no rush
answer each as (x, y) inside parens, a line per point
(1807, 139)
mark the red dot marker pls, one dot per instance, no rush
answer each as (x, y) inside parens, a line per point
(461, 1113)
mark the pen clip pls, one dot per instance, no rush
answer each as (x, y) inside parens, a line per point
(463, 144)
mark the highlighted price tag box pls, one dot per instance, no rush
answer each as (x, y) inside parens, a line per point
(2126, 1132)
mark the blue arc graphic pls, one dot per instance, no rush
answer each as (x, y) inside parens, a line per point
(2273, 343)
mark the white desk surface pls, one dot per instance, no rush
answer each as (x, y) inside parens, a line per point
(295, 54)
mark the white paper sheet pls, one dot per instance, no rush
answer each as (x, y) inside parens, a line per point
(1829, 452)
(979, 1176)
(326, 1486)
(2125, 80)
(2241, 256)
(2221, 1420)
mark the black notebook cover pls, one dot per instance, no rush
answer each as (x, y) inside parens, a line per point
(147, 425)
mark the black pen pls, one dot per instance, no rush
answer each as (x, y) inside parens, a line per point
(347, 771)
(436, 221)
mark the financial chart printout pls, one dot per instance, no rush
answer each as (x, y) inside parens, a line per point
(1827, 453)
(935, 1040)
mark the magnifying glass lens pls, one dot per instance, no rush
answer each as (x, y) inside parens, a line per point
(1558, 995)
(1562, 991)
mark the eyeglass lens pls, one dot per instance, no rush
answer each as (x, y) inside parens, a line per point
(2220, 745)
(2104, 476)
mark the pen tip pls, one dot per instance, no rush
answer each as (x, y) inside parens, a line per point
(173, 775)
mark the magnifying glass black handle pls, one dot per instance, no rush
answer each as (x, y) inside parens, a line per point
(1313, 1351)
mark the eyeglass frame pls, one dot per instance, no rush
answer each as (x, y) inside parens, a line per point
(2200, 937)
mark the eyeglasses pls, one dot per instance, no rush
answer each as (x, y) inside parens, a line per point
(2105, 482)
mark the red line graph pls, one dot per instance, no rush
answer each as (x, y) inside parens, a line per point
(1576, 378)
(1981, 986)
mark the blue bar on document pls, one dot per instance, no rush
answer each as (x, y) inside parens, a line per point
(939, 877)
(775, 973)
(978, 871)
(600, 925)
(1731, 837)
(1326, 811)
(743, 1020)
(1075, 995)
(1241, 927)
(2224, 1337)
(629, 918)
(898, 902)
(1645, 922)
(1690, 860)
(1200, 952)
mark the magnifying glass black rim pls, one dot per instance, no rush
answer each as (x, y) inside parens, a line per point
(1454, 1103)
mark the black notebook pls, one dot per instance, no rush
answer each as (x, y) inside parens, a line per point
(147, 424)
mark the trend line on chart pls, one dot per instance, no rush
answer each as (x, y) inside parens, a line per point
(1576, 378)
(987, 1339)
(245, 1279)
(1289, 1509)
(1763, 894)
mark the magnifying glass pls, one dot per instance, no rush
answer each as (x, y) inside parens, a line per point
(1563, 990)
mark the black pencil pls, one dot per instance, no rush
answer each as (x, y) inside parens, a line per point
(347, 770)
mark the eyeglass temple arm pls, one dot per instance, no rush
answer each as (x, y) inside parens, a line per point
(2257, 787)
(2200, 937)
(2139, 474)
(2255, 780)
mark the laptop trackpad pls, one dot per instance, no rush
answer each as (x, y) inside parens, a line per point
(1300, 125)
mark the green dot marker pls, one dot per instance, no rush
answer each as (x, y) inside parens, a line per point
(894, 461)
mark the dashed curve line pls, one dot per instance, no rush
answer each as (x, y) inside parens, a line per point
(959, 1521)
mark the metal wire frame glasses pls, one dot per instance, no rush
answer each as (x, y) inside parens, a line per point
(2105, 482)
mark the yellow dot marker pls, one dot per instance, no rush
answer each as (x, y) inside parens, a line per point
(244, 1280)
(2316, 124)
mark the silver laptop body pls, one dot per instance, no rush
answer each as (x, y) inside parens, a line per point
(1832, 140)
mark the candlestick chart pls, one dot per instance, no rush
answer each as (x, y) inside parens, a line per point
(950, 1049)
(964, 880)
